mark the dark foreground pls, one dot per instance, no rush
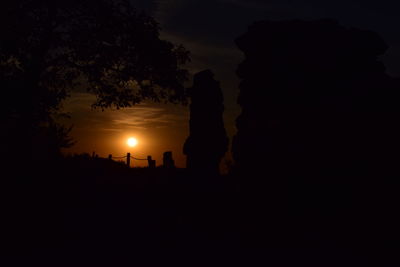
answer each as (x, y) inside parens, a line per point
(85, 212)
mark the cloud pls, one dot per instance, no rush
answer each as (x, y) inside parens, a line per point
(140, 117)
(207, 55)
(143, 117)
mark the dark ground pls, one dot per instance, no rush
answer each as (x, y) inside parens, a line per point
(87, 212)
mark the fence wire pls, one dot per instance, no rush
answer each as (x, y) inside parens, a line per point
(113, 157)
(138, 159)
(118, 157)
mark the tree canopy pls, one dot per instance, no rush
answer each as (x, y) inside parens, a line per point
(105, 47)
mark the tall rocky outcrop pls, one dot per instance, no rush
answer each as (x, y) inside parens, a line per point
(207, 142)
(316, 102)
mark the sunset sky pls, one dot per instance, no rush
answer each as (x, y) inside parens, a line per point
(208, 28)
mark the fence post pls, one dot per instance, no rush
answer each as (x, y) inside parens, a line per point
(110, 157)
(128, 159)
(168, 162)
(152, 163)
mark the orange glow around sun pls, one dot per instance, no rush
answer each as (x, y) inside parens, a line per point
(132, 142)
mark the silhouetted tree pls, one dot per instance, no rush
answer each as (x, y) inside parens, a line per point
(105, 47)
(207, 142)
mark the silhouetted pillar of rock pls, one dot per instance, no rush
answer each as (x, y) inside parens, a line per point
(318, 110)
(307, 92)
(207, 142)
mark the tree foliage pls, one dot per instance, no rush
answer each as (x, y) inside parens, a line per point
(106, 47)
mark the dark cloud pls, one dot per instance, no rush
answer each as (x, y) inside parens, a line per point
(219, 22)
(215, 22)
(147, 5)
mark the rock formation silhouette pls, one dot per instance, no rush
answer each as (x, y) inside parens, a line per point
(207, 142)
(318, 136)
(315, 101)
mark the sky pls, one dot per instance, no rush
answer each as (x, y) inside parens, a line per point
(207, 28)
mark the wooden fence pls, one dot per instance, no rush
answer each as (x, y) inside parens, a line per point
(168, 161)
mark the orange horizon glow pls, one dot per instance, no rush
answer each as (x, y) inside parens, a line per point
(157, 128)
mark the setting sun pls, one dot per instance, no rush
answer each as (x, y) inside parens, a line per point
(132, 142)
